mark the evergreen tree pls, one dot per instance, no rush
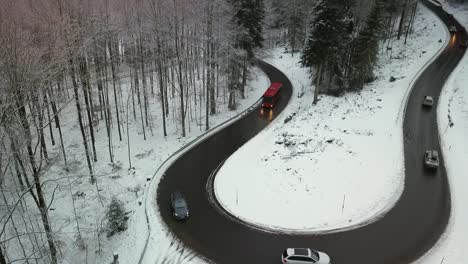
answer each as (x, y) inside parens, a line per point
(248, 16)
(116, 217)
(295, 22)
(278, 8)
(325, 50)
(366, 50)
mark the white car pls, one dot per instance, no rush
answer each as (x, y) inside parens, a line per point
(428, 101)
(304, 256)
(431, 159)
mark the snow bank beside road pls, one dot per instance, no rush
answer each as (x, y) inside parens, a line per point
(335, 165)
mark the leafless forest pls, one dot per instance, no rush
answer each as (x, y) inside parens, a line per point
(56, 53)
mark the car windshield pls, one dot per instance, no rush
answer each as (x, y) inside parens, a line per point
(180, 203)
(315, 255)
(267, 99)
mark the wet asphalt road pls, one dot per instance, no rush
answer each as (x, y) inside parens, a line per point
(408, 230)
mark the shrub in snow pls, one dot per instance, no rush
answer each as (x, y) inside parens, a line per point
(116, 217)
(116, 166)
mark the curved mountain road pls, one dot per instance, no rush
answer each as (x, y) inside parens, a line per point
(406, 232)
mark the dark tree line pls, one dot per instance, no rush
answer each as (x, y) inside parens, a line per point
(344, 40)
(339, 40)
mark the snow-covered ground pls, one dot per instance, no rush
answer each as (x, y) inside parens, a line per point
(452, 116)
(308, 174)
(128, 185)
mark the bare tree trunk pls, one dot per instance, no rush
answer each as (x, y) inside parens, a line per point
(410, 26)
(49, 120)
(233, 80)
(128, 140)
(19, 161)
(105, 108)
(137, 87)
(317, 84)
(208, 83)
(80, 119)
(166, 97)
(214, 89)
(114, 80)
(151, 77)
(162, 92)
(19, 175)
(87, 98)
(179, 62)
(41, 130)
(42, 206)
(402, 19)
(97, 70)
(18, 237)
(143, 77)
(57, 124)
(2, 257)
(212, 70)
(109, 136)
(244, 76)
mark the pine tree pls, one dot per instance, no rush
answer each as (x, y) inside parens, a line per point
(116, 217)
(366, 49)
(329, 37)
(278, 8)
(295, 22)
(248, 17)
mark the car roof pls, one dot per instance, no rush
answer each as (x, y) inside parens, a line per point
(273, 89)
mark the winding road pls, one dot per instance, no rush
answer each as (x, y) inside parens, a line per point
(406, 232)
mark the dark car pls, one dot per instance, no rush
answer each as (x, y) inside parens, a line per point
(179, 206)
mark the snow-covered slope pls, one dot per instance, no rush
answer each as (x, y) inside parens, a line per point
(335, 165)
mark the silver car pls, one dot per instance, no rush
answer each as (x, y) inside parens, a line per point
(428, 101)
(303, 256)
(431, 159)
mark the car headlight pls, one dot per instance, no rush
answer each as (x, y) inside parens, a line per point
(175, 214)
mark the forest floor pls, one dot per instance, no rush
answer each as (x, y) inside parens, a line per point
(79, 205)
(312, 170)
(452, 118)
